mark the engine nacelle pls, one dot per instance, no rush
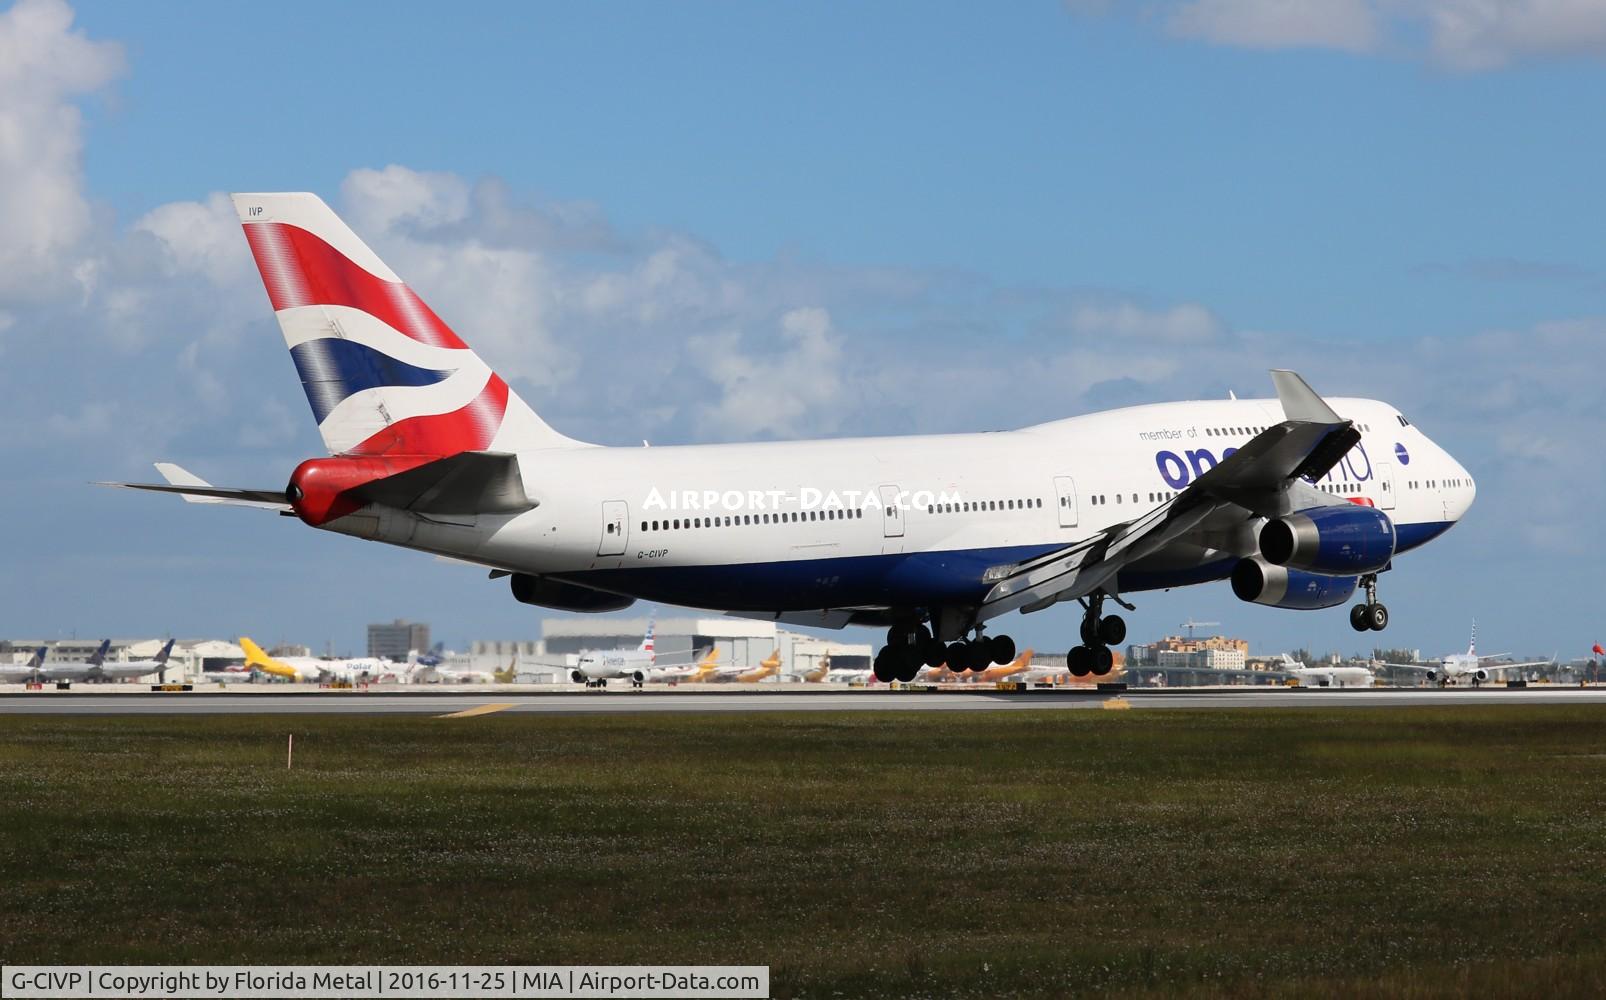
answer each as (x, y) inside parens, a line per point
(1480, 675)
(1432, 675)
(638, 677)
(577, 677)
(1259, 582)
(1339, 540)
(545, 593)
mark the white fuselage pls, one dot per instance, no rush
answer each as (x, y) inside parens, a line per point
(612, 664)
(1333, 677)
(753, 526)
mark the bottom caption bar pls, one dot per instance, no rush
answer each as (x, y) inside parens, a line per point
(358, 982)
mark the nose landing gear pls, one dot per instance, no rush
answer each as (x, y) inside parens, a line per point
(1371, 616)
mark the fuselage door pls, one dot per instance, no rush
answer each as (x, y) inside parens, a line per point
(891, 514)
(1065, 490)
(613, 540)
(1384, 474)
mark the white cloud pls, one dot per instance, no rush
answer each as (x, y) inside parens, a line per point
(200, 238)
(386, 200)
(1349, 25)
(780, 390)
(44, 217)
(1182, 324)
(1488, 34)
(1466, 35)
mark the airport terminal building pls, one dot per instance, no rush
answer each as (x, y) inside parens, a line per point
(739, 642)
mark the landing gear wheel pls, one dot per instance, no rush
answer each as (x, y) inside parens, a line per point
(933, 653)
(1002, 648)
(971, 655)
(908, 668)
(910, 636)
(1090, 630)
(1360, 617)
(883, 666)
(1080, 661)
(1103, 661)
(1112, 630)
(1377, 617)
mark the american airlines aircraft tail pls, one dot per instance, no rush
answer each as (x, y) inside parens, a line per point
(1299, 501)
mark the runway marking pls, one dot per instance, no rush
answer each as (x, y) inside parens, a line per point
(498, 706)
(1116, 703)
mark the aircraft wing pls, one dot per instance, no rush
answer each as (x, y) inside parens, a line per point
(1435, 667)
(1514, 666)
(1257, 477)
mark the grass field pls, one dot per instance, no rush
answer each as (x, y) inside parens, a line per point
(1410, 852)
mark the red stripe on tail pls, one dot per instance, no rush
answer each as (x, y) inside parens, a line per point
(470, 428)
(299, 269)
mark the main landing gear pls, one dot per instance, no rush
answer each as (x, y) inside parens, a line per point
(912, 647)
(1099, 633)
(1371, 616)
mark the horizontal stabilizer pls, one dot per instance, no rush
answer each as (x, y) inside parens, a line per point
(471, 482)
(194, 489)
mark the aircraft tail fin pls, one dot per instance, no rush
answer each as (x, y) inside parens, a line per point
(167, 650)
(382, 373)
(254, 654)
(38, 658)
(100, 654)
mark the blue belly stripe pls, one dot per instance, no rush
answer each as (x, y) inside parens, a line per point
(898, 580)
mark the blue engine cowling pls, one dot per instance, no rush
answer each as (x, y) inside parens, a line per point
(1337, 540)
(1259, 582)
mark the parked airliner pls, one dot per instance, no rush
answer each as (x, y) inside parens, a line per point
(1298, 501)
(77, 670)
(1327, 677)
(1469, 665)
(13, 673)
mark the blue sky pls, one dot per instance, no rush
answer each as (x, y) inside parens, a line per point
(1004, 213)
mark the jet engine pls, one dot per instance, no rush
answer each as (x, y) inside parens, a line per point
(1337, 540)
(577, 677)
(1259, 582)
(546, 593)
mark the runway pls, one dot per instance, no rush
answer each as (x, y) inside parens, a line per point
(470, 703)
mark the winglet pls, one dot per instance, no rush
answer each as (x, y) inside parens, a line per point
(1300, 401)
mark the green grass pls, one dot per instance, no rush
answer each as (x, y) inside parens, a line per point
(1399, 852)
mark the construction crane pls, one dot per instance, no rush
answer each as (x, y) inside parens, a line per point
(1190, 625)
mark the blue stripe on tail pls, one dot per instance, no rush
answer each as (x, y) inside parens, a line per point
(333, 369)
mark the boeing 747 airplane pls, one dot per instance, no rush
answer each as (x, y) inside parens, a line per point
(1299, 501)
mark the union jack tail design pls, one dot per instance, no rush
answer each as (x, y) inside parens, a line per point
(383, 374)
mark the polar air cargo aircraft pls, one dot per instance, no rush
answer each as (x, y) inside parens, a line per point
(1298, 501)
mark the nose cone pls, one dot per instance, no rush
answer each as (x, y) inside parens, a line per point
(1458, 498)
